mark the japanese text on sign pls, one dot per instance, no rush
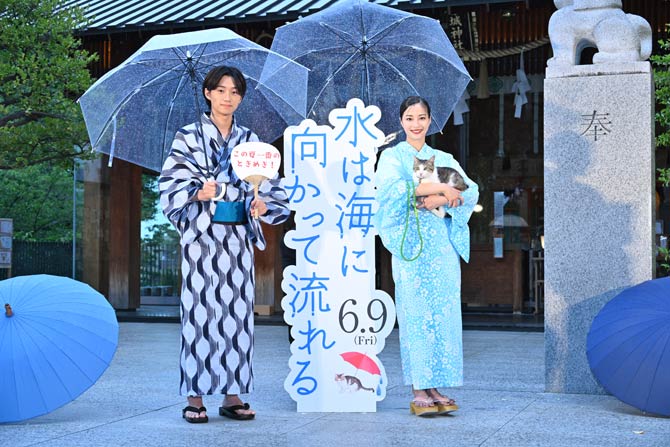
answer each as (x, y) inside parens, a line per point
(339, 321)
(462, 30)
(257, 159)
(596, 124)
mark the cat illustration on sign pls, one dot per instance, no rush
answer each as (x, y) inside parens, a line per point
(350, 384)
(426, 171)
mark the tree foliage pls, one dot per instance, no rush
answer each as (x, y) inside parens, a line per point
(43, 70)
(661, 64)
(39, 200)
(149, 196)
(163, 234)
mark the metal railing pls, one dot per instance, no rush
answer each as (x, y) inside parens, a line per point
(159, 269)
(32, 258)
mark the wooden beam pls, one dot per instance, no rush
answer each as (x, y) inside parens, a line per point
(95, 226)
(268, 265)
(125, 198)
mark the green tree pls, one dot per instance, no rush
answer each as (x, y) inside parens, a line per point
(661, 63)
(39, 200)
(43, 70)
(163, 234)
(149, 196)
(163, 242)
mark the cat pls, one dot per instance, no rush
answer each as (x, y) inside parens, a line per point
(426, 171)
(350, 384)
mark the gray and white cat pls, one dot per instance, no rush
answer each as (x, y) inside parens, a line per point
(350, 384)
(426, 171)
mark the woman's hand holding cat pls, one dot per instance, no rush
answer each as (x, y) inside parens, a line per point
(453, 196)
(432, 201)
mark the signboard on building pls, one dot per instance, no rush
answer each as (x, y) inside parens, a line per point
(462, 30)
(6, 232)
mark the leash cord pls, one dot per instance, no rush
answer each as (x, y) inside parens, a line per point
(411, 203)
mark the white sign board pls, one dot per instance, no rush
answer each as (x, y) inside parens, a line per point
(6, 232)
(339, 321)
(6, 226)
(5, 242)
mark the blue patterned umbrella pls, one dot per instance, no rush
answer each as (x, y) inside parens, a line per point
(628, 346)
(57, 337)
(358, 49)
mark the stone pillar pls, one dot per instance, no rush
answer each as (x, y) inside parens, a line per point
(599, 204)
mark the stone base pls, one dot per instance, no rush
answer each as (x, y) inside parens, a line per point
(615, 69)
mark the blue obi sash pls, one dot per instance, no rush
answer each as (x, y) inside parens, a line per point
(230, 213)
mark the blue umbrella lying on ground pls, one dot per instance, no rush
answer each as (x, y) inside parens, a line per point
(628, 346)
(134, 111)
(57, 337)
(358, 49)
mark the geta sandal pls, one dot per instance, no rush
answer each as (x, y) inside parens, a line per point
(231, 412)
(422, 407)
(196, 419)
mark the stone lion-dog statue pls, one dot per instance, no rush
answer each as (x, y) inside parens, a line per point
(578, 24)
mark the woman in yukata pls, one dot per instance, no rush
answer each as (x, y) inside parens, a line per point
(425, 260)
(217, 292)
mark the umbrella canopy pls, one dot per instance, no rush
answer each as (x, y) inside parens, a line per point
(361, 361)
(628, 346)
(57, 337)
(378, 54)
(134, 111)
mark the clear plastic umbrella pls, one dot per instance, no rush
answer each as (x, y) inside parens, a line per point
(134, 111)
(379, 54)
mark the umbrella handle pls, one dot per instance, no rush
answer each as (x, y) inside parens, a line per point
(222, 187)
(8, 311)
(256, 198)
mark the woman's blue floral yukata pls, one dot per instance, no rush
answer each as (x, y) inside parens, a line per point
(428, 289)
